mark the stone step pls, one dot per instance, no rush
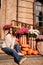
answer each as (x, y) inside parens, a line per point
(5, 56)
(1, 42)
(8, 62)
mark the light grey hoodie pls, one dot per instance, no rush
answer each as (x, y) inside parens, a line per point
(9, 41)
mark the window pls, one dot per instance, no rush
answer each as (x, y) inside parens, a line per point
(39, 14)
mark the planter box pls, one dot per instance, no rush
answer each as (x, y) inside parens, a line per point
(40, 47)
(23, 39)
(32, 43)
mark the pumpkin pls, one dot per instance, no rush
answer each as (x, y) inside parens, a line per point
(25, 46)
(24, 52)
(30, 51)
(35, 52)
(25, 49)
(17, 40)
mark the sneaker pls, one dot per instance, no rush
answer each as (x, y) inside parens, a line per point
(20, 54)
(22, 60)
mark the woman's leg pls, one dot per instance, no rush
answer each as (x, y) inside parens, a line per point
(17, 47)
(12, 52)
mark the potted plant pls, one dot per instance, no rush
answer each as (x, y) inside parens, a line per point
(33, 33)
(22, 32)
(39, 40)
(6, 27)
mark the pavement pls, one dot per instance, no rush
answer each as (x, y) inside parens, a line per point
(31, 60)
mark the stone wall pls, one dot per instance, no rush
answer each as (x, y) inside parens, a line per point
(9, 12)
(0, 22)
(25, 11)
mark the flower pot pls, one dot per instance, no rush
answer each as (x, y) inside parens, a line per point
(40, 47)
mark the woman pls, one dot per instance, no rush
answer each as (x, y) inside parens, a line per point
(16, 44)
(8, 46)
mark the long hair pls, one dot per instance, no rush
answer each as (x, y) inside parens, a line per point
(13, 31)
(8, 31)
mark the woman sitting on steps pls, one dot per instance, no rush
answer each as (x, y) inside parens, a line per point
(8, 46)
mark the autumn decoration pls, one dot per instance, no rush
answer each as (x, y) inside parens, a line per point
(35, 52)
(7, 26)
(24, 52)
(33, 33)
(25, 49)
(25, 46)
(22, 31)
(30, 51)
(16, 40)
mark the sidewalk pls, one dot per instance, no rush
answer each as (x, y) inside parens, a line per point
(31, 60)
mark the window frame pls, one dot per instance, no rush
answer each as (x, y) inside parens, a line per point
(37, 16)
(35, 26)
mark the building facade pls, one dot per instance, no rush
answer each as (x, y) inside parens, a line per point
(22, 11)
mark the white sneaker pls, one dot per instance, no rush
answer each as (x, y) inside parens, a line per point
(20, 54)
(22, 60)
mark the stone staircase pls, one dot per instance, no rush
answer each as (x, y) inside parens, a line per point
(31, 59)
(4, 58)
(1, 42)
(1, 52)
